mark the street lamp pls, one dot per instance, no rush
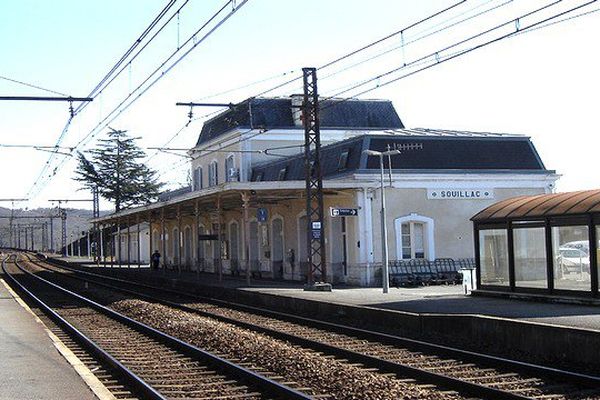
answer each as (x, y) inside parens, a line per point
(385, 258)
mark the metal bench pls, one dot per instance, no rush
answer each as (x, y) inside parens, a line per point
(447, 271)
(421, 269)
(400, 274)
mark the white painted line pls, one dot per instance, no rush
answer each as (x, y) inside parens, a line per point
(88, 376)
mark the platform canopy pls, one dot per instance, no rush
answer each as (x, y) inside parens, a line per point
(544, 205)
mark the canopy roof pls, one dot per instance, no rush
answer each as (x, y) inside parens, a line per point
(543, 205)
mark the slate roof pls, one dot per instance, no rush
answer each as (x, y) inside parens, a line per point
(272, 113)
(441, 152)
(168, 195)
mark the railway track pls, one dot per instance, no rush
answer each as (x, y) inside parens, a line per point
(466, 372)
(151, 364)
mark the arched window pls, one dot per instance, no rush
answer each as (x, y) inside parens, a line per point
(277, 247)
(213, 173)
(414, 237)
(231, 173)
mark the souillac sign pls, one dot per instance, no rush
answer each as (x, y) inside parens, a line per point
(459, 194)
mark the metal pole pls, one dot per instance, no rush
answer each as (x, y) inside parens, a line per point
(246, 229)
(197, 224)
(89, 253)
(150, 239)
(139, 252)
(385, 261)
(52, 235)
(178, 238)
(119, 252)
(164, 243)
(128, 242)
(102, 253)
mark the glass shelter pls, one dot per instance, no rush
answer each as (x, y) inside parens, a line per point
(545, 244)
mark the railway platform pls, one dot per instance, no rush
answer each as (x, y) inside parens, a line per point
(32, 367)
(537, 331)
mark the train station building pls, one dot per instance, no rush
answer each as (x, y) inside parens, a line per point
(246, 206)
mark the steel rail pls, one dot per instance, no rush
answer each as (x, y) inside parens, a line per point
(369, 361)
(268, 385)
(589, 380)
(389, 366)
(136, 382)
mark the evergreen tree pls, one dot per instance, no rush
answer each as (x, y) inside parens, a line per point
(114, 167)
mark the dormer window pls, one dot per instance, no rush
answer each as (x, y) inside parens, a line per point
(343, 160)
(282, 174)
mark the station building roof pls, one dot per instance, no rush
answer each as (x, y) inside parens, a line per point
(278, 113)
(544, 205)
(443, 151)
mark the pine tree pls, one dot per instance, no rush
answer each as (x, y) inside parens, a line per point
(114, 168)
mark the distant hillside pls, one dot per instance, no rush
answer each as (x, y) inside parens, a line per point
(77, 222)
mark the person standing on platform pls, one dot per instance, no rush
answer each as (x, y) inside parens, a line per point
(155, 259)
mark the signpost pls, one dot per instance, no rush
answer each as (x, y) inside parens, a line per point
(343, 212)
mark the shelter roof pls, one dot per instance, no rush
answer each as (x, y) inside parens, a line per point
(543, 205)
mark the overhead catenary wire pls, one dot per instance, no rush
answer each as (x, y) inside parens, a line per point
(110, 117)
(463, 52)
(65, 129)
(31, 85)
(522, 30)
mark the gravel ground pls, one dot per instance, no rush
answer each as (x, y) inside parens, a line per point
(306, 367)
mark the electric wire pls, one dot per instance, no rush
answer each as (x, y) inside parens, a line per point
(521, 30)
(82, 106)
(420, 61)
(31, 85)
(110, 118)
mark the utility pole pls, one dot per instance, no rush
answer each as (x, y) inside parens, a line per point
(385, 274)
(317, 261)
(63, 216)
(12, 213)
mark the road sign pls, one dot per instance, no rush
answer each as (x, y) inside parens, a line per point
(262, 214)
(343, 212)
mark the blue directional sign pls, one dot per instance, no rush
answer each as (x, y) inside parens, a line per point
(262, 215)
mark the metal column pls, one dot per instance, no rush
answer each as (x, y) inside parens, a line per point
(197, 236)
(128, 242)
(139, 252)
(63, 233)
(314, 180)
(52, 249)
(164, 243)
(246, 230)
(179, 241)
(150, 239)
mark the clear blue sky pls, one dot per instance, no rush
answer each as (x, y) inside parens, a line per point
(542, 84)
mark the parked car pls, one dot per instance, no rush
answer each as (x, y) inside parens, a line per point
(579, 244)
(572, 259)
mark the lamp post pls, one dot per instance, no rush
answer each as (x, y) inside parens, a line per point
(384, 238)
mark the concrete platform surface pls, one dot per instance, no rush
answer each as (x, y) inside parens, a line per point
(451, 300)
(31, 366)
(421, 300)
